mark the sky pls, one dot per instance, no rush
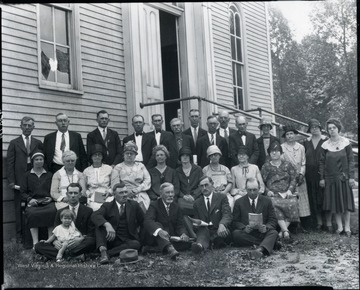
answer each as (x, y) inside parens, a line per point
(296, 12)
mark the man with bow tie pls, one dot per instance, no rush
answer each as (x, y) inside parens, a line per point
(163, 220)
(117, 223)
(211, 138)
(107, 138)
(144, 141)
(18, 162)
(242, 137)
(212, 208)
(264, 234)
(165, 138)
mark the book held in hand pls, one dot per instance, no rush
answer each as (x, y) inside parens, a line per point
(255, 219)
(99, 197)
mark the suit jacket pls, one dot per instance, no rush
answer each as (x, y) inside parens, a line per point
(262, 152)
(76, 145)
(109, 212)
(202, 145)
(242, 208)
(228, 158)
(17, 158)
(111, 146)
(82, 222)
(201, 133)
(235, 142)
(157, 217)
(220, 212)
(147, 145)
(168, 140)
(231, 131)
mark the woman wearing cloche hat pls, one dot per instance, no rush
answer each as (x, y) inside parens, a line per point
(294, 153)
(134, 174)
(313, 153)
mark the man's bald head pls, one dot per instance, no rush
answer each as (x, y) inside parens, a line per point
(241, 123)
(224, 118)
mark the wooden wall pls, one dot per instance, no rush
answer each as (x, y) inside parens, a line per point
(102, 59)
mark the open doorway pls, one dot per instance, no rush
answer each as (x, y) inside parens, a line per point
(170, 65)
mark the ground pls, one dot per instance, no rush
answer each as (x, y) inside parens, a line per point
(313, 259)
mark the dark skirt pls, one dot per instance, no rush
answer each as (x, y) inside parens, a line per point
(316, 196)
(286, 209)
(338, 195)
(41, 216)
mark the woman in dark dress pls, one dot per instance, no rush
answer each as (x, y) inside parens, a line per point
(337, 177)
(35, 190)
(312, 174)
(162, 173)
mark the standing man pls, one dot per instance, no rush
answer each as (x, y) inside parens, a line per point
(265, 234)
(194, 130)
(18, 162)
(211, 207)
(144, 141)
(181, 139)
(117, 223)
(83, 223)
(107, 138)
(264, 141)
(225, 131)
(242, 137)
(163, 220)
(165, 138)
(211, 138)
(56, 143)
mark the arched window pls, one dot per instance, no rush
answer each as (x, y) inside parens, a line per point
(237, 58)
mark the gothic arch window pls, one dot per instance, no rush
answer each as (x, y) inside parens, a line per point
(237, 56)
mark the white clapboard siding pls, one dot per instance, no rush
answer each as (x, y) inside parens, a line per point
(256, 58)
(103, 75)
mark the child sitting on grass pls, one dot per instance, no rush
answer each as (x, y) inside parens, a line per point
(64, 232)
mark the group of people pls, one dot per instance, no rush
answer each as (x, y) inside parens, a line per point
(170, 191)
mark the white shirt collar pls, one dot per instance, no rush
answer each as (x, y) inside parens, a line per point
(42, 172)
(102, 129)
(209, 196)
(165, 204)
(60, 133)
(256, 200)
(24, 137)
(118, 204)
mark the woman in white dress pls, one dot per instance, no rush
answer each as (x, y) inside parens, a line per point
(134, 175)
(98, 179)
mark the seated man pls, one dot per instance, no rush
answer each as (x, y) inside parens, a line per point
(83, 223)
(116, 224)
(244, 234)
(164, 219)
(212, 208)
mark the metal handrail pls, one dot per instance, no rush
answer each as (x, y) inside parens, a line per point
(233, 110)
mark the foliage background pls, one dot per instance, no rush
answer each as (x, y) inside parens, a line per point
(317, 77)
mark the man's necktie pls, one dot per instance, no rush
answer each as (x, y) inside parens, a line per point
(104, 134)
(73, 210)
(195, 136)
(63, 144)
(253, 205)
(27, 145)
(208, 205)
(168, 209)
(226, 135)
(139, 134)
(121, 211)
(212, 139)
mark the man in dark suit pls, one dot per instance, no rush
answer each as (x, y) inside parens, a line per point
(264, 141)
(181, 139)
(144, 141)
(107, 138)
(225, 131)
(244, 234)
(194, 130)
(56, 143)
(83, 223)
(117, 223)
(164, 138)
(241, 137)
(211, 138)
(163, 220)
(18, 162)
(212, 208)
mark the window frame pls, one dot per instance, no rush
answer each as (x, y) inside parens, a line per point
(76, 84)
(235, 62)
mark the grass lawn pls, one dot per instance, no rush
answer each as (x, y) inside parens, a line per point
(313, 259)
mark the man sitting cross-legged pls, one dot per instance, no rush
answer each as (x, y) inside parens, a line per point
(117, 223)
(264, 234)
(163, 220)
